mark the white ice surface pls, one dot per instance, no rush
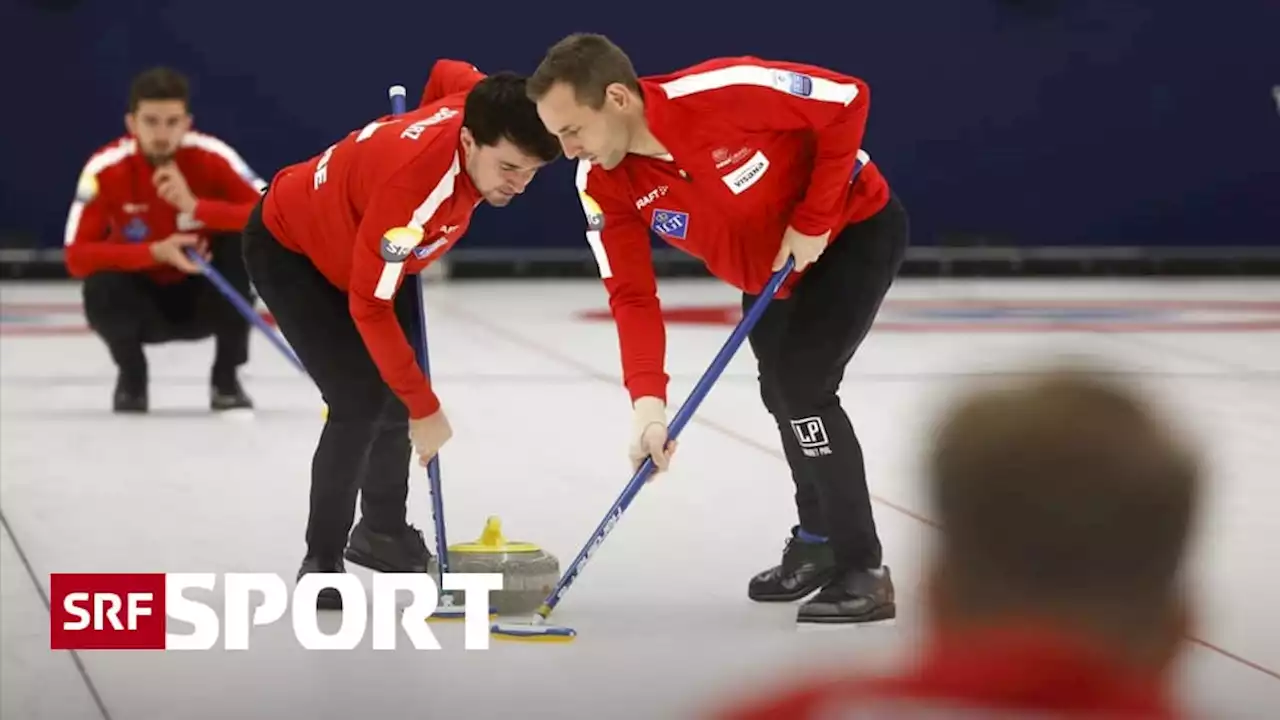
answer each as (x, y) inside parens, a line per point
(540, 421)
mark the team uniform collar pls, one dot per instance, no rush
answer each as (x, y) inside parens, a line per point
(659, 115)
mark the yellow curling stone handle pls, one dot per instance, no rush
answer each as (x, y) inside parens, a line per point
(491, 541)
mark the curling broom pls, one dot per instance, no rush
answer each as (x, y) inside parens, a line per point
(233, 296)
(447, 610)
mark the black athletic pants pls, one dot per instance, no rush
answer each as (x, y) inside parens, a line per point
(129, 309)
(802, 345)
(365, 444)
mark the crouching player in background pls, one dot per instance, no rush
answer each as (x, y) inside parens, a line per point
(1057, 587)
(141, 202)
(329, 249)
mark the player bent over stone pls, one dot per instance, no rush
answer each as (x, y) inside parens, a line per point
(329, 249)
(142, 200)
(744, 162)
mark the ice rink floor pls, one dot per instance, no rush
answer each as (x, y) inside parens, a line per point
(530, 381)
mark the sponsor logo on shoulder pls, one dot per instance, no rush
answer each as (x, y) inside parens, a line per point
(414, 131)
(593, 212)
(793, 82)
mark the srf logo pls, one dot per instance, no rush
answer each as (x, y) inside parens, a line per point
(106, 611)
(131, 611)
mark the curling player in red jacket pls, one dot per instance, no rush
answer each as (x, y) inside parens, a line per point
(141, 202)
(335, 249)
(742, 163)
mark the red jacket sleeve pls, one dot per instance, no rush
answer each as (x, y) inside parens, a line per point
(377, 273)
(239, 188)
(86, 247)
(449, 77)
(764, 96)
(619, 240)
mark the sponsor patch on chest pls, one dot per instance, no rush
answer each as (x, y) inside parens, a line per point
(652, 195)
(670, 223)
(748, 174)
(721, 156)
(136, 229)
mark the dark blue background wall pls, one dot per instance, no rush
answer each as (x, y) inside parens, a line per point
(1027, 121)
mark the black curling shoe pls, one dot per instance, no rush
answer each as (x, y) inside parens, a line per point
(130, 395)
(328, 598)
(853, 596)
(805, 567)
(405, 551)
(228, 394)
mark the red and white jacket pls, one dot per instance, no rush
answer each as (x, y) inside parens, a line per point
(756, 145)
(395, 172)
(117, 214)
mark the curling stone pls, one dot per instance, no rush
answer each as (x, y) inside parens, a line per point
(528, 573)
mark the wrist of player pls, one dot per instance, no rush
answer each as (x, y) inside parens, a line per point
(185, 203)
(806, 249)
(429, 434)
(649, 433)
(152, 253)
(646, 411)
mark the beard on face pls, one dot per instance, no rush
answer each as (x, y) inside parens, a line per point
(158, 157)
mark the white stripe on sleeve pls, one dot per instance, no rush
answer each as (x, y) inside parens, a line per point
(73, 223)
(594, 216)
(785, 81)
(391, 271)
(220, 148)
(87, 184)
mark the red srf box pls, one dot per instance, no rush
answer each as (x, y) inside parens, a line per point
(107, 611)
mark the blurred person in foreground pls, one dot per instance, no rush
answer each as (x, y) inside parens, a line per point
(141, 202)
(1056, 590)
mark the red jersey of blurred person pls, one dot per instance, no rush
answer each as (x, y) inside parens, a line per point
(993, 674)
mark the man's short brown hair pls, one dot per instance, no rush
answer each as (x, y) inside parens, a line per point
(588, 63)
(1060, 492)
(159, 83)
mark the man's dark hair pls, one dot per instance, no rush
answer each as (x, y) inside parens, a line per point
(499, 107)
(1064, 493)
(159, 83)
(586, 62)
